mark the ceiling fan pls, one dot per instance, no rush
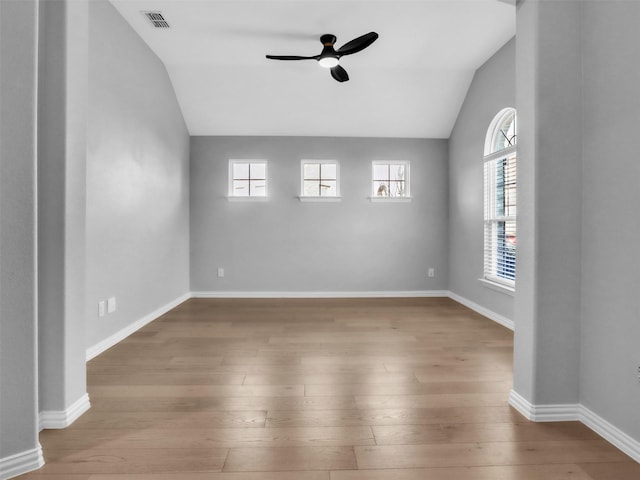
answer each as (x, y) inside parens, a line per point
(330, 58)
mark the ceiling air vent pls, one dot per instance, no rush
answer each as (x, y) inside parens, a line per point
(157, 20)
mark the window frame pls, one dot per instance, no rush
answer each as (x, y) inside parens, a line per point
(319, 198)
(493, 254)
(407, 172)
(253, 161)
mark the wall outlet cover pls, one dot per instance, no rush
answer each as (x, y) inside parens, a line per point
(111, 305)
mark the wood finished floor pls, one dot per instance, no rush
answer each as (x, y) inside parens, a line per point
(349, 389)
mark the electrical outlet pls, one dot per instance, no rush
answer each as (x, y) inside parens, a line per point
(111, 305)
(102, 308)
(432, 272)
(220, 272)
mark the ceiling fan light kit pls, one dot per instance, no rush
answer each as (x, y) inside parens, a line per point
(330, 58)
(328, 61)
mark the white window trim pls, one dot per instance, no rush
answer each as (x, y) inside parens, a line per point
(404, 199)
(247, 198)
(492, 131)
(238, 198)
(377, 199)
(319, 198)
(498, 285)
(310, 199)
(505, 152)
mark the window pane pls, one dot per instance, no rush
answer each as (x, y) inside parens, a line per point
(328, 188)
(241, 171)
(311, 188)
(381, 189)
(490, 236)
(505, 133)
(499, 188)
(509, 166)
(506, 250)
(396, 172)
(311, 171)
(381, 172)
(241, 188)
(258, 171)
(397, 189)
(258, 188)
(329, 171)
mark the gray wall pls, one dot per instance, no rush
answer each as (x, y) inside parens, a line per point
(137, 179)
(610, 329)
(62, 107)
(283, 245)
(18, 381)
(492, 89)
(578, 317)
(525, 307)
(549, 308)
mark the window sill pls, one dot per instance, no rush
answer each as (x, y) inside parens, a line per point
(390, 199)
(498, 287)
(247, 199)
(320, 199)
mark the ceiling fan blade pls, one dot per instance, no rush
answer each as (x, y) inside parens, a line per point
(357, 44)
(291, 57)
(339, 73)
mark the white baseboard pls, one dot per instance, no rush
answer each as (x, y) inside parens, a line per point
(612, 434)
(502, 320)
(372, 294)
(120, 335)
(580, 413)
(569, 412)
(55, 419)
(20, 463)
(521, 404)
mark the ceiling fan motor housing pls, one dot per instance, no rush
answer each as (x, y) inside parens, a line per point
(328, 40)
(328, 58)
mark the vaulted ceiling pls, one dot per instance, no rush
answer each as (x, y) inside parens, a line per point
(410, 83)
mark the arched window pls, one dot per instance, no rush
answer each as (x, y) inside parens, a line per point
(500, 161)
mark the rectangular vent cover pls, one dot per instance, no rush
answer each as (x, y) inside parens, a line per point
(157, 20)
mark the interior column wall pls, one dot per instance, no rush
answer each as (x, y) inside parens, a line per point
(525, 306)
(19, 447)
(610, 260)
(61, 206)
(549, 203)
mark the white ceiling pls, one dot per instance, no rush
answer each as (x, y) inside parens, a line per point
(410, 83)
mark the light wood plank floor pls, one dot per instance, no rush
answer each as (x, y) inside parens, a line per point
(348, 389)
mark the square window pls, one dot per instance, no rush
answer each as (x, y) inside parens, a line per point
(320, 178)
(247, 178)
(390, 179)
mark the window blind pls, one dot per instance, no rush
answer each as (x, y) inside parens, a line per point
(500, 210)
